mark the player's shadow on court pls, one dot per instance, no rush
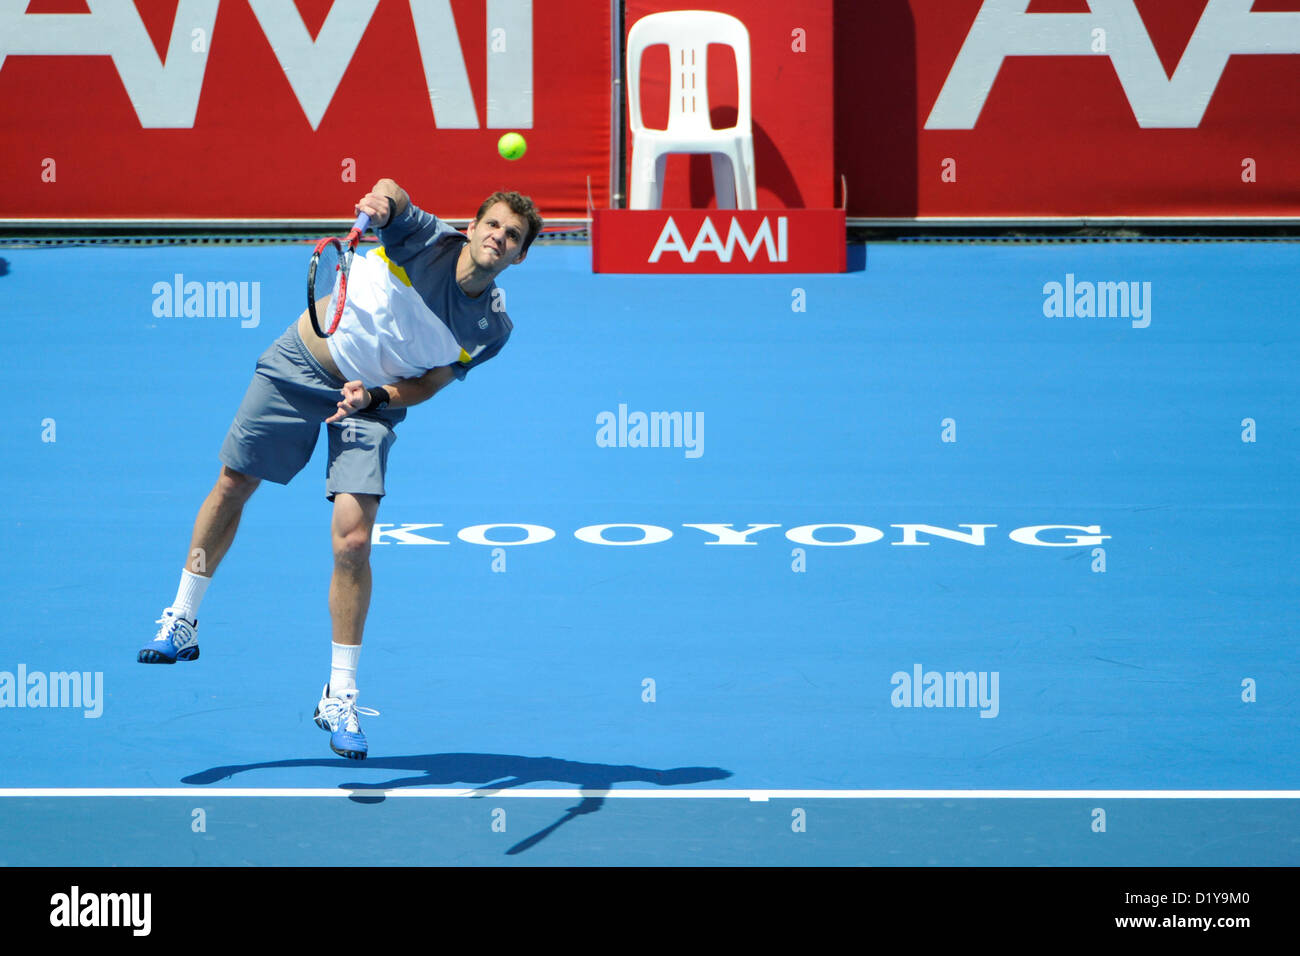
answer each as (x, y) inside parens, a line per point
(488, 774)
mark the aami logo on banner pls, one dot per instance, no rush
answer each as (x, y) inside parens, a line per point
(718, 240)
(167, 94)
(1078, 109)
(199, 98)
(1115, 29)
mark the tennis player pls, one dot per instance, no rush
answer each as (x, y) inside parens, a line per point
(421, 310)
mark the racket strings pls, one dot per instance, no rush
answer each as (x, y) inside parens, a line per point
(328, 285)
(329, 272)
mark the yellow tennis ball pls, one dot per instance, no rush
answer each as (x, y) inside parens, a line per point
(511, 146)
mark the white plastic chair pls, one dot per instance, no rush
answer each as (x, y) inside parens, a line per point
(688, 34)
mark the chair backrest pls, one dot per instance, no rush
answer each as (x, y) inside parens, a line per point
(688, 34)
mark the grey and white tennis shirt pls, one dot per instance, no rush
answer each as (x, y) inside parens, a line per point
(405, 312)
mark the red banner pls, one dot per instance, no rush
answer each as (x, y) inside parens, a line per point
(717, 240)
(970, 108)
(264, 109)
(1071, 108)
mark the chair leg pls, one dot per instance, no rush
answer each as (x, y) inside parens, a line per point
(646, 187)
(745, 175)
(724, 180)
(657, 184)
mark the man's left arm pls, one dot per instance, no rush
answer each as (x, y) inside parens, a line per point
(401, 394)
(412, 391)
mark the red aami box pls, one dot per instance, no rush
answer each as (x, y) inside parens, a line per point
(717, 240)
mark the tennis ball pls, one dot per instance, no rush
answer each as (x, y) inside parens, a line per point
(511, 146)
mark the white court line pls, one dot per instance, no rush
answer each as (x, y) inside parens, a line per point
(675, 794)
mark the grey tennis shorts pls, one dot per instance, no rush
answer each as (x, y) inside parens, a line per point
(275, 430)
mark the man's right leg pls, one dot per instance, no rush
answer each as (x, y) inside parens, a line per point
(214, 532)
(218, 519)
(272, 436)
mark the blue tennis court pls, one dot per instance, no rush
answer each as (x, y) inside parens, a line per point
(927, 563)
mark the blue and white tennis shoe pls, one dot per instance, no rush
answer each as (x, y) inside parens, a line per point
(338, 715)
(176, 641)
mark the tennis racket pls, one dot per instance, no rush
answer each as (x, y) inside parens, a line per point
(327, 277)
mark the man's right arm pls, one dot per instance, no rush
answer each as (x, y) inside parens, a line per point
(409, 230)
(375, 203)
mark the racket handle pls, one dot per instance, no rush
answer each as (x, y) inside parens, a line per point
(362, 224)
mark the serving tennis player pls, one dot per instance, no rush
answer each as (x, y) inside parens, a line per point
(421, 310)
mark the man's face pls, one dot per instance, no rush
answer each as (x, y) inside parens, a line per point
(496, 239)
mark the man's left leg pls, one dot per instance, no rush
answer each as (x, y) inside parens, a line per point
(354, 482)
(349, 599)
(354, 518)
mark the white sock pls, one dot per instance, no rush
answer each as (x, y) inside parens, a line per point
(190, 594)
(343, 667)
